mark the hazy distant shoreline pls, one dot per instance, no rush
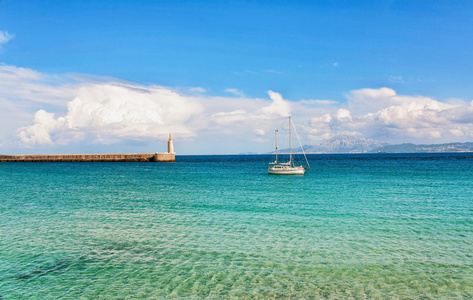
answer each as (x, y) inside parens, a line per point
(353, 145)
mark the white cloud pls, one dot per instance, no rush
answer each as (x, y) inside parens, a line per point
(240, 117)
(42, 109)
(197, 90)
(5, 37)
(318, 102)
(28, 86)
(78, 109)
(235, 92)
(260, 110)
(40, 132)
(259, 132)
(369, 100)
(279, 107)
(106, 112)
(382, 114)
(24, 92)
(337, 123)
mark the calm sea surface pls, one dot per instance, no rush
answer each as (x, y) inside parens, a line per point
(355, 226)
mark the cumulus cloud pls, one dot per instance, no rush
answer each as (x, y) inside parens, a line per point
(278, 107)
(257, 117)
(337, 123)
(105, 112)
(43, 109)
(259, 110)
(370, 100)
(24, 92)
(73, 109)
(383, 114)
(40, 132)
(5, 37)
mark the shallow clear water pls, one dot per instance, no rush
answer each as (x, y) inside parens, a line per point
(360, 226)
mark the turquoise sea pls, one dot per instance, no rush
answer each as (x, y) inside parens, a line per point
(378, 226)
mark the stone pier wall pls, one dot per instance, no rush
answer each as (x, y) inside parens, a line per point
(137, 157)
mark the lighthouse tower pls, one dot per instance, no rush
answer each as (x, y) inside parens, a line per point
(170, 145)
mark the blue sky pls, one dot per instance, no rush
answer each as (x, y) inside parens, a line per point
(397, 71)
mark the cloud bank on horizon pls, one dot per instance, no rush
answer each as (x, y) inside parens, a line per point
(53, 110)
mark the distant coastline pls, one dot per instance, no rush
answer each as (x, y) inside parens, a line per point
(349, 144)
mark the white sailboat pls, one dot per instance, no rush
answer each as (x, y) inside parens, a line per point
(287, 168)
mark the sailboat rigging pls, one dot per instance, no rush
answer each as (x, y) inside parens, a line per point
(287, 168)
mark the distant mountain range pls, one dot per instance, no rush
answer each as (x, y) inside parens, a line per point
(350, 144)
(412, 148)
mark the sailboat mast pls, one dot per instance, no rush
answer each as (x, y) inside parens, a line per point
(290, 143)
(302, 148)
(276, 139)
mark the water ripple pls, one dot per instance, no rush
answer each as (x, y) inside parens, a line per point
(212, 228)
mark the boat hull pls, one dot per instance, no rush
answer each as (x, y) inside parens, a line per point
(286, 171)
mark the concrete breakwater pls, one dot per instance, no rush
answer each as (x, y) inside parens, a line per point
(169, 156)
(135, 157)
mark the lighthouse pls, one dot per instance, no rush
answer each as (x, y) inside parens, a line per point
(170, 145)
